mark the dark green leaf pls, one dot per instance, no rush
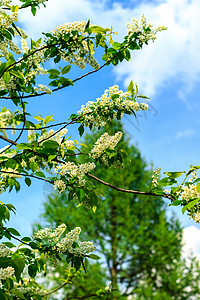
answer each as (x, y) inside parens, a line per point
(66, 69)
(14, 231)
(28, 181)
(81, 130)
(18, 264)
(94, 256)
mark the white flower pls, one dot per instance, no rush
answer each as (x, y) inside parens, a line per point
(6, 272)
(105, 142)
(4, 251)
(189, 192)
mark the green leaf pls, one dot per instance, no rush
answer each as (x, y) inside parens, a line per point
(190, 205)
(116, 45)
(33, 10)
(54, 72)
(174, 174)
(14, 231)
(17, 186)
(130, 87)
(28, 181)
(18, 264)
(198, 187)
(18, 294)
(51, 144)
(97, 29)
(33, 245)
(166, 181)
(17, 74)
(7, 34)
(9, 244)
(100, 192)
(94, 256)
(54, 83)
(40, 174)
(6, 77)
(81, 130)
(32, 270)
(3, 296)
(26, 239)
(23, 146)
(33, 166)
(11, 163)
(175, 203)
(66, 69)
(48, 119)
(66, 81)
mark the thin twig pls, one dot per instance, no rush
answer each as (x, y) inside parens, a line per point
(24, 121)
(56, 289)
(12, 236)
(26, 175)
(126, 191)
(59, 88)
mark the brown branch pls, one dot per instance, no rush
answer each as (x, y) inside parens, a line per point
(22, 129)
(56, 289)
(8, 140)
(126, 191)
(41, 128)
(26, 175)
(62, 87)
(12, 236)
(88, 296)
(20, 60)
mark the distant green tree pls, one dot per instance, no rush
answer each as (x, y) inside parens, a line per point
(139, 246)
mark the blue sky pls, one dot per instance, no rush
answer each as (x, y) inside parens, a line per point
(168, 71)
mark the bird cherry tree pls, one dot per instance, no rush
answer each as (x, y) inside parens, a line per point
(38, 148)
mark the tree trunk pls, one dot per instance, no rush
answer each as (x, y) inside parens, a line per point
(113, 222)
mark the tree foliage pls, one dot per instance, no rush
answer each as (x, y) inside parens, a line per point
(35, 149)
(140, 247)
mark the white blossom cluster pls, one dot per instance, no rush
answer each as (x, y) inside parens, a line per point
(73, 236)
(155, 177)
(47, 135)
(34, 63)
(6, 21)
(194, 176)
(60, 185)
(146, 30)
(32, 291)
(197, 217)
(81, 56)
(4, 251)
(65, 244)
(5, 3)
(7, 153)
(75, 170)
(43, 88)
(189, 192)
(9, 172)
(6, 272)
(105, 142)
(48, 233)
(69, 144)
(6, 118)
(96, 113)
(28, 287)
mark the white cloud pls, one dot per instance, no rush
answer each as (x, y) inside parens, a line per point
(173, 56)
(191, 237)
(184, 134)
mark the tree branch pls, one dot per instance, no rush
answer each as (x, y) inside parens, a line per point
(59, 88)
(26, 175)
(12, 236)
(127, 191)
